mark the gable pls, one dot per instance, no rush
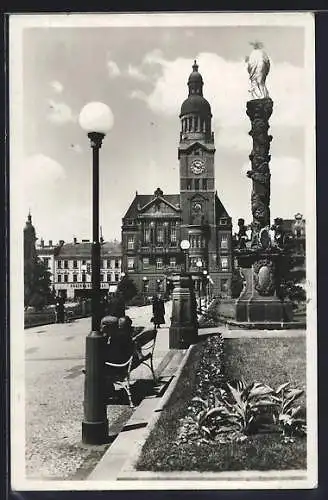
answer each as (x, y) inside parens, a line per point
(158, 207)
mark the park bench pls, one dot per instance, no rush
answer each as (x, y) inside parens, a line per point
(120, 374)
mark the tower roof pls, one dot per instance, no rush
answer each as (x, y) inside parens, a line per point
(28, 225)
(195, 102)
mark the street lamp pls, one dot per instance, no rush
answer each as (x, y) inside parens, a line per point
(185, 245)
(96, 119)
(199, 265)
(205, 282)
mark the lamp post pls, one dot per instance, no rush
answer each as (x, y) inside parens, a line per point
(205, 282)
(96, 119)
(145, 280)
(185, 245)
(199, 265)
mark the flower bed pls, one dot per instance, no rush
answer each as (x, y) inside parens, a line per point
(209, 425)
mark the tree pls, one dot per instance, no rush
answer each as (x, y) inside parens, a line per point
(292, 275)
(37, 284)
(127, 287)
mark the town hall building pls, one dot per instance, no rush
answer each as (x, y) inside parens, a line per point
(155, 224)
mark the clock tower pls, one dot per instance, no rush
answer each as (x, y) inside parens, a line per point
(202, 211)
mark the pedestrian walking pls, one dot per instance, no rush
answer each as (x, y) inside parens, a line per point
(60, 310)
(158, 311)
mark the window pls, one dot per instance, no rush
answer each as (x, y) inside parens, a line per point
(173, 261)
(173, 235)
(196, 184)
(130, 242)
(75, 264)
(117, 277)
(224, 263)
(224, 285)
(84, 262)
(104, 264)
(224, 241)
(108, 277)
(65, 278)
(146, 233)
(59, 264)
(205, 184)
(84, 278)
(65, 264)
(145, 286)
(101, 277)
(145, 262)
(59, 278)
(188, 184)
(159, 263)
(117, 263)
(223, 221)
(46, 261)
(130, 263)
(74, 278)
(160, 232)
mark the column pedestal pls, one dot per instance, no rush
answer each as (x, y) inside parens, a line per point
(258, 303)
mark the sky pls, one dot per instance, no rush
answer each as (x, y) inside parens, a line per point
(141, 73)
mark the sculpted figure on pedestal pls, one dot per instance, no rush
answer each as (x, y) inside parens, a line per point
(258, 66)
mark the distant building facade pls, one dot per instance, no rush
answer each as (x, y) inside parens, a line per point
(154, 225)
(70, 265)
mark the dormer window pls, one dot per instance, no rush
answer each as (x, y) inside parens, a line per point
(223, 221)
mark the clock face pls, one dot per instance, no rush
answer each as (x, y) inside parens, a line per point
(198, 166)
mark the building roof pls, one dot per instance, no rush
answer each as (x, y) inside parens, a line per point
(83, 250)
(140, 200)
(220, 210)
(196, 104)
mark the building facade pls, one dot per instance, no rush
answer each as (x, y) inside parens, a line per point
(154, 225)
(70, 267)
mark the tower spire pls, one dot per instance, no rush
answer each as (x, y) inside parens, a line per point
(195, 66)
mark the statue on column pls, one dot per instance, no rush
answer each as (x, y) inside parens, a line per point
(258, 66)
(259, 109)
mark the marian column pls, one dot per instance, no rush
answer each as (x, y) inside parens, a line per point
(259, 110)
(260, 258)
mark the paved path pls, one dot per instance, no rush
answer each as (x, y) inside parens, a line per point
(54, 358)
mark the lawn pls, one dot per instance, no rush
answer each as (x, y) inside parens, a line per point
(272, 361)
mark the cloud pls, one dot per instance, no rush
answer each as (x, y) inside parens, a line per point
(42, 170)
(57, 86)
(226, 88)
(113, 69)
(59, 113)
(136, 73)
(138, 94)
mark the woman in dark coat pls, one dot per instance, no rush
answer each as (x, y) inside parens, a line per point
(158, 311)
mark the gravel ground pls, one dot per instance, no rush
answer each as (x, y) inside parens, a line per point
(54, 400)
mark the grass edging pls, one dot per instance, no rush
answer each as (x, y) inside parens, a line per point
(130, 464)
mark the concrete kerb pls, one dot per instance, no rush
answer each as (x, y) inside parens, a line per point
(126, 448)
(130, 465)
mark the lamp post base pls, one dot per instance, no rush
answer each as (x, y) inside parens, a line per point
(184, 326)
(95, 432)
(95, 424)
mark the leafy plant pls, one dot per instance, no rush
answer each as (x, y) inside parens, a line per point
(290, 414)
(239, 408)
